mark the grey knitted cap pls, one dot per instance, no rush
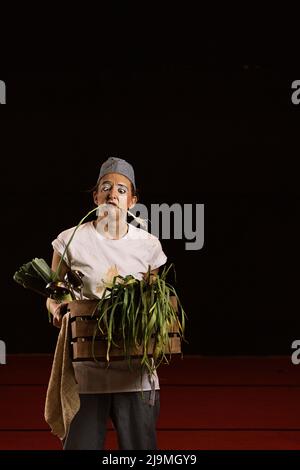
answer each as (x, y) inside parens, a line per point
(117, 165)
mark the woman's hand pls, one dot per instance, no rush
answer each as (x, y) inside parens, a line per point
(152, 277)
(56, 309)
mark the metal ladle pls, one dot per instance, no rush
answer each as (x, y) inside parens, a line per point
(58, 289)
(74, 280)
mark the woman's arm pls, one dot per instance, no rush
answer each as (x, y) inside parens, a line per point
(52, 305)
(152, 273)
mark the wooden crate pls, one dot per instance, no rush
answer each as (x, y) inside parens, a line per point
(82, 349)
(83, 318)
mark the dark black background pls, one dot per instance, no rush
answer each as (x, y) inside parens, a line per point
(204, 117)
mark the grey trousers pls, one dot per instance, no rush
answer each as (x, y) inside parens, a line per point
(133, 416)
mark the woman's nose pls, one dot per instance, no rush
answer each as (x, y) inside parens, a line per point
(113, 193)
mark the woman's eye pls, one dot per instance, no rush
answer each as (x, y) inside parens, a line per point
(122, 191)
(105, 188)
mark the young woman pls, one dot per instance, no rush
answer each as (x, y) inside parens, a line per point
(102, 249)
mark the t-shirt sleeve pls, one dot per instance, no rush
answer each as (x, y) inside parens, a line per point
(157, 257)
(59, 245)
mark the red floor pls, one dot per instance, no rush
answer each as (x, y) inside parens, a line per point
(206, 403)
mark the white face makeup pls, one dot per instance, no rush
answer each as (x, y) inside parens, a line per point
(114, 197)
(107, 186)
(115, 193)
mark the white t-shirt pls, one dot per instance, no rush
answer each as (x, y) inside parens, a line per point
(100, 259)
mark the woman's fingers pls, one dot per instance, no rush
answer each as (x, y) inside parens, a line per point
(58, 313)
(57, 321)
(57, 317)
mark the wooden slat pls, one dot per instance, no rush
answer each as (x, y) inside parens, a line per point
(228, 440)
(230, 370)
(168, 440)
(26, 369)
(181, 407)
(83, 349)
(84, 327)
(88, 307)
(198, 370)
(22, 407)
(230, 407)
(84, 324)
(29, 440)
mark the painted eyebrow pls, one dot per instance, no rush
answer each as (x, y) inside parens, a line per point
(119, 184)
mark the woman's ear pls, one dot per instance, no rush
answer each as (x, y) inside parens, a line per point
(95, 197)
(133, 202)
